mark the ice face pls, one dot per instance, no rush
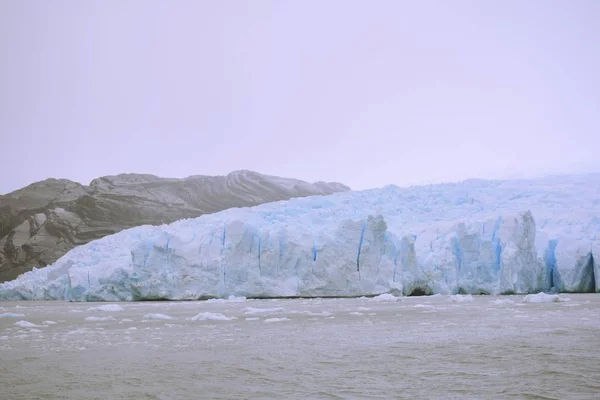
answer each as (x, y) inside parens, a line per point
(472, 237)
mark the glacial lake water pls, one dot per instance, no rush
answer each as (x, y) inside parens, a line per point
(435, 347)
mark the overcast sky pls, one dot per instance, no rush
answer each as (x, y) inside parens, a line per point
(362, 92)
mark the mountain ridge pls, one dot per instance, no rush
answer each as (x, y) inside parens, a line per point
(42, 221)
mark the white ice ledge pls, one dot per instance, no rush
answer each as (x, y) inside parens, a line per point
(471, 237)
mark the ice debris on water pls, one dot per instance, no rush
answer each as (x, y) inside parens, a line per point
(276, 319)
(543, 298)
(208, 316)
(11, 315)
(459, 298)
(157, 316)
(107, 307)
(230, 299)
(99, 319)
(252, 310)
(25, 324)
(502, 301)
(385, 298)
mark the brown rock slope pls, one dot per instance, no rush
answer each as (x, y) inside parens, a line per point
(43, 221)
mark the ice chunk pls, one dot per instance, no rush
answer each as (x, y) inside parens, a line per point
(458, 298)
(276, 319)
(426, 306)
(11, 315)
(99, 319)
(472, 237)
(385, 298)
(502, 301)
(230, 299)
(107, 307)
(208, 316)
(25, 324)
(49, 323)
(252, 310)
(542, 298)
(317, 314)
(157, 316)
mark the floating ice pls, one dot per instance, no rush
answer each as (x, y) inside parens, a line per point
(459, 298)
(99, 319)
(157, 316)
(49, 323)
(107, 307)
(317, 314)
(543, 298)
(11, 315)
(276, 319)
(252, 310)
(25, 324)
(502, 301)
(385, 298)
(230, 299)
(208, 316)
(473, 237)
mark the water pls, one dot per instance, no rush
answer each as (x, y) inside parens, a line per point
(420, 347)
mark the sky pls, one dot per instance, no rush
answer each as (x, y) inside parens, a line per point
(367, 93)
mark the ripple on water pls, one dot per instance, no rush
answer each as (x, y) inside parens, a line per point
(488, 347)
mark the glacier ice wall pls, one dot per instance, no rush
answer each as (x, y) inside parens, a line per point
(519, 236)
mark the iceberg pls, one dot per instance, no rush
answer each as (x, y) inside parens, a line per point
(472, 237)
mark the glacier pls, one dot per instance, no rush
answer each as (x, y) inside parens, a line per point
(472, 237)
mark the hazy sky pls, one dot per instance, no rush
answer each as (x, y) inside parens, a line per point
(361, 92)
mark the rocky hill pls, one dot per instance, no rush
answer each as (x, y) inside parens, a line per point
(41, 222)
